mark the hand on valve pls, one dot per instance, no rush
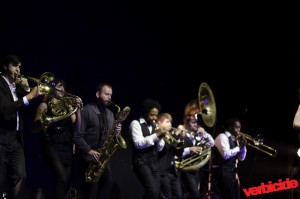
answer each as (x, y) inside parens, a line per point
(242, 141)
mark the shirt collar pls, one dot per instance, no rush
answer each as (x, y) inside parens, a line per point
(227, 133)
(13, 85)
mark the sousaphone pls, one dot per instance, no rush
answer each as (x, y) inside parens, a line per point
(206, 107)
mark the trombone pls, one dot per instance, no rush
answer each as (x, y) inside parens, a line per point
(257, 143)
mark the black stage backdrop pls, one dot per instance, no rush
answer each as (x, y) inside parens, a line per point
(164, 51)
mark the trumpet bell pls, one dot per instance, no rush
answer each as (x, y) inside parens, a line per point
(207, 104)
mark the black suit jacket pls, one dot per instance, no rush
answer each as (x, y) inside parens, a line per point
(87, 136)
(8, 113)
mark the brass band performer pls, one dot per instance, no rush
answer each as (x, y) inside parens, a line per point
(95, 123)
(230, 149)
(56, 139)
(147, 141)
(170, 186)
(195, 139)
(15, 95)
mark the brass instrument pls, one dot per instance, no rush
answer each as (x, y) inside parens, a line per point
(45, 82)
(112, 142)
(46, 85)
(195, 161)
(206, 107)
(169, 139)
(257, 143)
(62, 108)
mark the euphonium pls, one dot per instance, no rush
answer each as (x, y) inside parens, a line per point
(112, 142)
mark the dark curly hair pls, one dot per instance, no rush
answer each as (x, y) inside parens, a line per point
(149, 104)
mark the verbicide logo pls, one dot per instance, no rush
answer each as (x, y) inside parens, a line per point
(271, 187)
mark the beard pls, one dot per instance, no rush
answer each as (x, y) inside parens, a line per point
(105, 103)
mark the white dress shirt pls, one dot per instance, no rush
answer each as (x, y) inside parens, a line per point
(141, 142)
(13, 91)
(203, 138)
(222, 144)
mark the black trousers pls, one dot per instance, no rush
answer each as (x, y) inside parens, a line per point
(191, 182)
(12, 165)
(150, 179)
(228, 183)
(170, 187)
(60, 163)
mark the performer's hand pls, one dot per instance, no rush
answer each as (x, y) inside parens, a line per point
(160, 132)
(118, 128)
(94, 154)
(180, 131)
(23, 82)
(242, 142)
(33, 93)
(196, 149)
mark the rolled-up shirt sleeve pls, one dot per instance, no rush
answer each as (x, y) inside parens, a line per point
(160, 144)
(242, 154)
(139, 141)
(25, 100)
(209, 139)
(222, 144)
(186, 152)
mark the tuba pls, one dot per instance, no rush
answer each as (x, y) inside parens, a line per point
(112, 142)
(206, 107)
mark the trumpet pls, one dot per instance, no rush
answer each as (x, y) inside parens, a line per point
(257, 143)
(46, 86)
(62, 108)
(169, 139)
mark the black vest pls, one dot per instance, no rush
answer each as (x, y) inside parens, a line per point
(226, 164)
(148, 155)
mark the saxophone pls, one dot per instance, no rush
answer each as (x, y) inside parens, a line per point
(112, 142)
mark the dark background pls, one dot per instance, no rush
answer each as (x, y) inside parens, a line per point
(248, 55)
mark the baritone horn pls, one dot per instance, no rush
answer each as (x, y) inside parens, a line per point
(257, 143)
